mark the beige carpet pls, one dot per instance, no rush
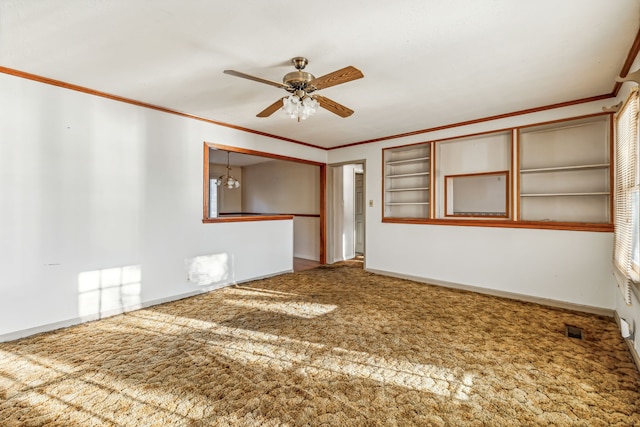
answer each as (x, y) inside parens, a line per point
(333, 346)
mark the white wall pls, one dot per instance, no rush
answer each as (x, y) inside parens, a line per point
(566, 266)
(287, 187)
(88, 184)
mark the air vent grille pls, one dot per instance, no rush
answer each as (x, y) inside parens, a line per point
(574, 332)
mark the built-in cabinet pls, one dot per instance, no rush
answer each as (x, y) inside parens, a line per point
(407, 181)
(565, 171)
(551, 175)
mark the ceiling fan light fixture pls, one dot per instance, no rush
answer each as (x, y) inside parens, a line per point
(300, 108)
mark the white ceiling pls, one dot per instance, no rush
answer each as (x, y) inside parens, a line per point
(426, 62)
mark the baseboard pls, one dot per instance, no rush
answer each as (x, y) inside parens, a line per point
(307, 257)
(11, 336)
(511, 295)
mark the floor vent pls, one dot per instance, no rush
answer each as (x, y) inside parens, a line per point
(574, 332)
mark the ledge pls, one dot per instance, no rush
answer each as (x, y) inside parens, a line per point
(246, 218)
(545, 225)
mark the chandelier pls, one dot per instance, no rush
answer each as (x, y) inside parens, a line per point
(227, 180)
(299, 105)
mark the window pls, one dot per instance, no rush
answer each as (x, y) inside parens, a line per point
(627, 199)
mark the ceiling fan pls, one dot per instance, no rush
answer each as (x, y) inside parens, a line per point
(301, 85)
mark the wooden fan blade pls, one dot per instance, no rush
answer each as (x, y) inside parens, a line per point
(256, 79)
(337, 77)
(271, 108)
(333, 106)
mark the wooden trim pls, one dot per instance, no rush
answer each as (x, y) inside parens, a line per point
(246, 218)
(382, 182)
(546, 225)
(58, 83)
(261, 153)
(323, 214)
(489, 217)
(566, 119)
(633, 52)
(631, 57)
(432, 181)
(635, 49)
(513, 180)
(496, 132)
(480, 120)
(516, 147)
(450, 138)
(205, 185)
(612, 163)
(270, 214)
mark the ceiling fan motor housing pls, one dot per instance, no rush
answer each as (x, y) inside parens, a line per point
(299, 80)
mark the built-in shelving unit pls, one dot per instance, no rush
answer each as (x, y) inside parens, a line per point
(565, 171)
(407, 181)
(554, 175)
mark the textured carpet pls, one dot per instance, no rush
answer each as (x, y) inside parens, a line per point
(333, 346)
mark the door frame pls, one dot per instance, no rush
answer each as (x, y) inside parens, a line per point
(330, 204)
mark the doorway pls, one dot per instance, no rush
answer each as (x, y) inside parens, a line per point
(346, 208)
(359, 212)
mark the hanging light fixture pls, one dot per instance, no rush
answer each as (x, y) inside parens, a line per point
(227, 180)
(299, 105)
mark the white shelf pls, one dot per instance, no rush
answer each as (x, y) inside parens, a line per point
(406, 203)
(595, 193)
(399, 162)
(403, 175)
(407, 189)
(565, 171)
(406, 193)
(566, 168)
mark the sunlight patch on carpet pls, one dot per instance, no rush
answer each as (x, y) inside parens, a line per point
(104, 397)
(416, 376)
(252, 292)
(283, 353)
(305, 310)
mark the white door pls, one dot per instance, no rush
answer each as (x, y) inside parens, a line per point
(359, 212)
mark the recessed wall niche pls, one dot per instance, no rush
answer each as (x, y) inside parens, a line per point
(479, 156)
